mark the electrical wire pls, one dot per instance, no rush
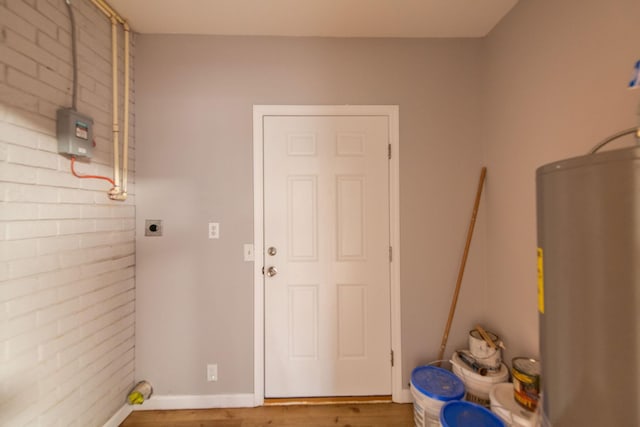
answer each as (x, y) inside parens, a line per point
(74, 54)
(73, 171)
(613, 138)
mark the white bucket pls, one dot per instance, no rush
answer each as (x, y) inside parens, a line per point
(478, 386)
(431, 388)
(485, 355)
(505, 406)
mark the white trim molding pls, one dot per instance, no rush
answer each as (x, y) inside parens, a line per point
(168, 402)
(119, 416)
(399, 394)
(405, 396)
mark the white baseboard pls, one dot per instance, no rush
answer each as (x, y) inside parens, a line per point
(119, 416)
(405, 396)
(166, 402)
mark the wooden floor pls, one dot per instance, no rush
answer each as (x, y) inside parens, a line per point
(341, 415)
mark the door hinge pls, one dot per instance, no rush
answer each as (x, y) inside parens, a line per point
(392, 359)
(390, 254)
(389, 151)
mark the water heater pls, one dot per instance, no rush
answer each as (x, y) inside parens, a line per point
(588, 214)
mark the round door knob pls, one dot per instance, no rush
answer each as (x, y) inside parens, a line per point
(272, 251)
(271, 271)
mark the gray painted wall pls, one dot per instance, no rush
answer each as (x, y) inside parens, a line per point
(194, 301)
(547, 83)
(556, 76)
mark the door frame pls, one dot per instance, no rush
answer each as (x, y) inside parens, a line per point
(259, 113)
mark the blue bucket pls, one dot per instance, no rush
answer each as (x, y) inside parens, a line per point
(467, 414)
(432, 387)
(437, 383)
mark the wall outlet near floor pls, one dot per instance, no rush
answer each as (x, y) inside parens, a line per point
(212, 372)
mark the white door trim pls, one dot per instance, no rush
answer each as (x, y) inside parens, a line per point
(390, 111)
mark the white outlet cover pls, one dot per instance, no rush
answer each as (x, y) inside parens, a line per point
(212, 372)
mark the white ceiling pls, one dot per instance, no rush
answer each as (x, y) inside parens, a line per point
(325, 18)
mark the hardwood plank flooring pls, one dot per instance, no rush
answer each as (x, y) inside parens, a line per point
(270, 401)
(336, 415)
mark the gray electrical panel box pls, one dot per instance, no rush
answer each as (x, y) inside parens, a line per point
(75, 133)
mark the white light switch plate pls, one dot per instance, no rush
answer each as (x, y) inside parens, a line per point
(214, 230)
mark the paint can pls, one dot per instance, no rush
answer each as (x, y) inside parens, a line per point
(431, 388)
(482, 352)
(477, 386)
(526, 381)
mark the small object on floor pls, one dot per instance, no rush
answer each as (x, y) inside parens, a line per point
(140, 392)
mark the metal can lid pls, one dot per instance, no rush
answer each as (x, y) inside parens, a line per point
(527, 365)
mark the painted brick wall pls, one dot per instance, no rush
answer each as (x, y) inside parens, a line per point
(66, 250)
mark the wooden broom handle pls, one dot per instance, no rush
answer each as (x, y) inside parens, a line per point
(452, 310)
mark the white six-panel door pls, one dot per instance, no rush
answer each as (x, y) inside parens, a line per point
(326, 256)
